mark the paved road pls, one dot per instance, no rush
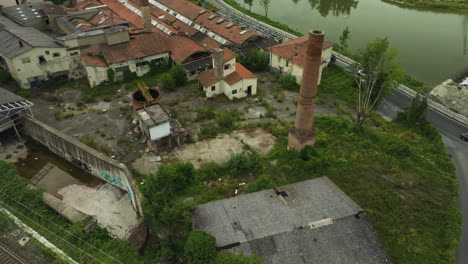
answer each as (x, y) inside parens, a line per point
(458, 149)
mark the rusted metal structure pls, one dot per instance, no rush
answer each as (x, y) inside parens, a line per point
(145, 96)
(302, 133)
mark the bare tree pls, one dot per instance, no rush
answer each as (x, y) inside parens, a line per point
(378, 72)
(266, 6)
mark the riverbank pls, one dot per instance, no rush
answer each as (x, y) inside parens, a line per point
(262, 18)
(449, 5)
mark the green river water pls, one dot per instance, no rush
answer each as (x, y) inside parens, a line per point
(431, 43)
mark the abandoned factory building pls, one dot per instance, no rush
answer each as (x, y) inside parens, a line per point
(302, 223)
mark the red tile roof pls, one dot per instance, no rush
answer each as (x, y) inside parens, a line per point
(295, 50)
(141, 46)
(185, 8)
(93, 61)
(228, 54)
(182, 48)
(244, 72)
(207, 78)
(201, 16)
(86, 4)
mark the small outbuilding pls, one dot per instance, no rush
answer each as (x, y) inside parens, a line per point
(228, 77)
(289, 57)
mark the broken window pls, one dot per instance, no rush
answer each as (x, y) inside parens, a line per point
(141, 64)
(25, 60)
(213, 88)
(42, 60)
(74, 53)
(56, 54)
(226, 67)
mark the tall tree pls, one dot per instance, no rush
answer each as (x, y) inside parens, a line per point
(379, 72)
(266, 5)
(345, 35)
(249, 3)
(337, 7)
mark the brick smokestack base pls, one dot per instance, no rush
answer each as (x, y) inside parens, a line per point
(302, 133)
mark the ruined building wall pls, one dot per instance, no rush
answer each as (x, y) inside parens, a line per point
(84, 157)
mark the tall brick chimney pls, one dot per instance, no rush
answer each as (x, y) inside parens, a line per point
(218, 63)
(302, 133)
(146, 14)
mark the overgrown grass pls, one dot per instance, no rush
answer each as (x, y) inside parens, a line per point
(339, 83)
(404, 180)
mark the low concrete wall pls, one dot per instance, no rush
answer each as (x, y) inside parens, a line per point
(85, 157)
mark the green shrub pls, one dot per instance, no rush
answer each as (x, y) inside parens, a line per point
(263, 182)
(167, 82)
(200, 248)
(110, 75)
(255, 60)
(174, 177)
(240, 164)
(179, 74)
(209, 171)
(288, 82)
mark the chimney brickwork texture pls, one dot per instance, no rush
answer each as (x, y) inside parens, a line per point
(302, 134)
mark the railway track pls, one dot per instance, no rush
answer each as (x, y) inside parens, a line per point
(7, 256)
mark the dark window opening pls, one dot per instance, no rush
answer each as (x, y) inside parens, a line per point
(56, 54)
(141, 64)
(47, 21)
(193, 73)
(226, 67)
(74, 53)
(234, 91)
(249, 90)
(47, 52)
(213, 88)
(42, 60)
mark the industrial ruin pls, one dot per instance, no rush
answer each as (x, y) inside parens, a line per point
(302, 133)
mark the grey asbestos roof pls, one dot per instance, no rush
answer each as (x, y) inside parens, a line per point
(303, 223)
(11, 33)
(25, 13)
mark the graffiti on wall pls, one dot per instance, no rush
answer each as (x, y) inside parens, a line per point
(112, 179)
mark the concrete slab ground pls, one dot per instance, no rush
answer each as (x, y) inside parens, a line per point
(110, 206)
(54, 180)
(221, 148)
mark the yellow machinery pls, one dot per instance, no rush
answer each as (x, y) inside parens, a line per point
(145, 91)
